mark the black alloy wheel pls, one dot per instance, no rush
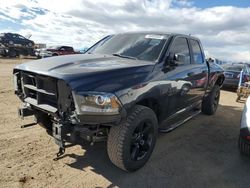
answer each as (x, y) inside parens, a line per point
(216, 99)
(210, 103)
(142, 140)
(131, 143)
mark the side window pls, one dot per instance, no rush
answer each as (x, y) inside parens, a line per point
(69, 49)
(180, 46)
(245, 69)
(20, 37)
(248, 70)
(197, 54)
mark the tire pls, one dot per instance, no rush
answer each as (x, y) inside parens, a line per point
(210, 103)
(131, 144)
(11, 42)
(243, 146)
(54, 54)
(12, 53)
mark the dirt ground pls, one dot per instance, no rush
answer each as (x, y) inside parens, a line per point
(201, 153)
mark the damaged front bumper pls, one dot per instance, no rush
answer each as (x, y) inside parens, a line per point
(72, 131)
(66, 115)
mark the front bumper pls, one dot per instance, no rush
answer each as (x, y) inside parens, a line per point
(45, 54)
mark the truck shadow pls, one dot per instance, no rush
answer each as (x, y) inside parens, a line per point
(230, 89)
(201, 153)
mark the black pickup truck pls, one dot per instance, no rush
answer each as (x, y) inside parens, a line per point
(123, 90)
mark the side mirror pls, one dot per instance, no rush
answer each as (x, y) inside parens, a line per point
(175, 59)
(179, 58)
(210, 60)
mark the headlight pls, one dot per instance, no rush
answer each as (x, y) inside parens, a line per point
(97, 104)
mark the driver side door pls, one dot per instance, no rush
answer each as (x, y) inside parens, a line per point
(179, 74)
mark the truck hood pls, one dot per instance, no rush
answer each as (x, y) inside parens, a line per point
(91, 71)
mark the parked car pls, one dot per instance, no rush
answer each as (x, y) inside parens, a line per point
(56, 51)
(244, 138)
(123, 89)
(232, 74)
(13, 39)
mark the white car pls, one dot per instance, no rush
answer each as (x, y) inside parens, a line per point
(41, 53)
(244, 138)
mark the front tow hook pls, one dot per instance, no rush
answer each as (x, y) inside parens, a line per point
(58, 136)
(60, 152)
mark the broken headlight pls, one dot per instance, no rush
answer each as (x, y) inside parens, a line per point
(97, 104)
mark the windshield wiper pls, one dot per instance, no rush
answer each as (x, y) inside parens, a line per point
(124, 56)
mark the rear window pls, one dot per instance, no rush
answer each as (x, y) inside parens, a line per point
(197, 53)
(234, 68)
(69, 49)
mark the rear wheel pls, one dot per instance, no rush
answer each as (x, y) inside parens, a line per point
(11, 43)
(243, 146)
(130, 144)
(210, 103)
(30, 44)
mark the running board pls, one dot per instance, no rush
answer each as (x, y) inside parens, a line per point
(175, 125)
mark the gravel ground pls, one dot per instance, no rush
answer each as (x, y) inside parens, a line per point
(201, 153)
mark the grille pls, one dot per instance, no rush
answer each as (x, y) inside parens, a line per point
(40, 91)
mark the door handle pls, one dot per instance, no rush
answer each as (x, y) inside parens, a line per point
(205, 71)
(190, 74)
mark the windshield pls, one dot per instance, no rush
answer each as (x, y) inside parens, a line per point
(234, 68)
(132, 45)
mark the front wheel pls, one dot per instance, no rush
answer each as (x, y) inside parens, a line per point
(30, 44)
(130, 144)
(11, 43)
(211, 101)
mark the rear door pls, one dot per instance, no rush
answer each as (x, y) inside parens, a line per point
(198, 72)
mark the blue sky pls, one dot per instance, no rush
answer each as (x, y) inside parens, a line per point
(222, 25)
(213, 3)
